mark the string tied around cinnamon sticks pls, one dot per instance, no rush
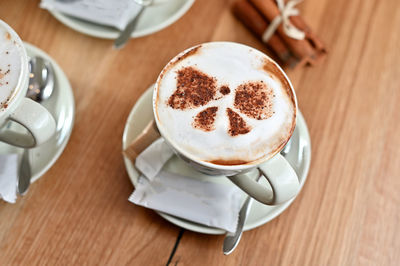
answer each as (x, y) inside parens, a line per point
(286, 11)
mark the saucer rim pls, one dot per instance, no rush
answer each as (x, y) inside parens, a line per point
(199, 228)
(72, 23)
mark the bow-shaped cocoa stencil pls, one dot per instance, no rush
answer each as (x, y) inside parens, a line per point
(196, 89)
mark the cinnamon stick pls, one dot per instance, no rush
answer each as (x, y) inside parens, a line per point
(315, 41)
(148, 135)
(253, 20)
(302, 49)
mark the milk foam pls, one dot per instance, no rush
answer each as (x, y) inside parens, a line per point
(231, 65)
(10, 64)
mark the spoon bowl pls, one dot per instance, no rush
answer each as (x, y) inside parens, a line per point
(41, 79)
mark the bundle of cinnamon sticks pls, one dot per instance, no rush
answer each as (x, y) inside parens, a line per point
(257, 16)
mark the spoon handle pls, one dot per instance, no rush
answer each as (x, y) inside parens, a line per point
(125, 35)
(24, 179)
(232, 240)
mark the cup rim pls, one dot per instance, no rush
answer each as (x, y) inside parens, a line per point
(244, 166)
(23, 76)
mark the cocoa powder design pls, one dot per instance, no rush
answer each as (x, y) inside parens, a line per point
(237, 125)
(205, 119)
(194, 89)
(254, 99)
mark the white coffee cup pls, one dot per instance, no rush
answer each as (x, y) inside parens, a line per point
(35, 118)
(282, 178)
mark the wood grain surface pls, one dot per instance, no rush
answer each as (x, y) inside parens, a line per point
(348, 212)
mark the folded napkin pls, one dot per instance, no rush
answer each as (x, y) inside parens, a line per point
(8, 177)
(114, 13)
(203, 202)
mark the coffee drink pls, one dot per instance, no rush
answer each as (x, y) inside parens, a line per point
(224, 103)
(10, 64)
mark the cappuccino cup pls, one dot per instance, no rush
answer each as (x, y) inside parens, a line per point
(14, 106)
(228, 109)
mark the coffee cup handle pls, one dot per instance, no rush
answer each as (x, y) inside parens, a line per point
(281, 177)
(36, 119)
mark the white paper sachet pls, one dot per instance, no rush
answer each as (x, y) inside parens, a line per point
(8, 177)
(115, 13)
(152, 159)
(207, 203)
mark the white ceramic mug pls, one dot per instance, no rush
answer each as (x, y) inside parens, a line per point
(283, 180)
(35, 118)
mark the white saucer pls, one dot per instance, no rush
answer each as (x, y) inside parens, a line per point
(153, 19)
(62, 106)
(299, 156)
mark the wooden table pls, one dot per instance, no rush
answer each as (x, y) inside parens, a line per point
(348, 212)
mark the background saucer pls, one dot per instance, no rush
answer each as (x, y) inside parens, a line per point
(62, 106)
(299, 156)
(153, 19)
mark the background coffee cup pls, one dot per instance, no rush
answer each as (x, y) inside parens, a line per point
(38, 122)
(283, 180)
